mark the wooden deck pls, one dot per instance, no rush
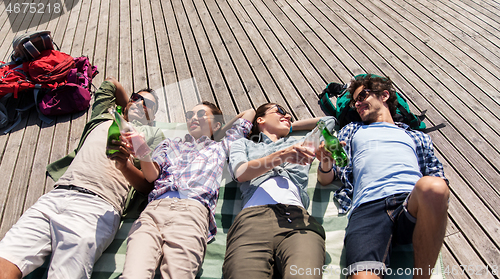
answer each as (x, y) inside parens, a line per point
(444, 55)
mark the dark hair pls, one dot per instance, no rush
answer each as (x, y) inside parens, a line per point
(377, 84)
(217, 114)
(215, 111)
(259, 112)
(152, 92)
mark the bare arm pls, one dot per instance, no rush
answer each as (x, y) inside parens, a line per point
(295, 154)
(326, 175)
(305, 124)
(120, 93)
(150, 169)
(248, 114)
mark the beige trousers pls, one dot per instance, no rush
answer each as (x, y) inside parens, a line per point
(171, 232)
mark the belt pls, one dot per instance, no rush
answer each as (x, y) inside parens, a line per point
(76, 188)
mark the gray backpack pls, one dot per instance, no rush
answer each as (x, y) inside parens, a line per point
(27, 46)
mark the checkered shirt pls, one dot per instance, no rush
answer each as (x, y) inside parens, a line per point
(194, 167)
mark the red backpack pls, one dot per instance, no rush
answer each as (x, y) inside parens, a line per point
(51, 67)
(13, 79)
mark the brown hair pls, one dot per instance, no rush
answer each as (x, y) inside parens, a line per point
(218, 117)
(259, 112)
(377, 84)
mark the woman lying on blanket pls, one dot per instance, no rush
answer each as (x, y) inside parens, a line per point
(179, 219)
(274, 233)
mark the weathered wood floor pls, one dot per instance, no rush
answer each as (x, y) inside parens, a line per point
(443, 54)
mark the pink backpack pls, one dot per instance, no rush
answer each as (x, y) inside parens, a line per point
(75, 95)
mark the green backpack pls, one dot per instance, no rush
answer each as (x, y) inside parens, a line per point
(345, 114)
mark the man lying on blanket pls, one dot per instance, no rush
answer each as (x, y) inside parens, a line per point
(180, 218)
(400, 194)
(79, 218)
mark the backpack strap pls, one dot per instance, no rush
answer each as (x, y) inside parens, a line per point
(31, 49)
(43, 117)
(413, 120)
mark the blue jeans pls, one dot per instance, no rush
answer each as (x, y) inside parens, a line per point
(374, 228)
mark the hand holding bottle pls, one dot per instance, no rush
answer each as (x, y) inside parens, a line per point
(136, 141)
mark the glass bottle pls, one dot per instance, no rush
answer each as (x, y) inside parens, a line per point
(139, 146)
(312, 140)
(333, 145)
(113, 134)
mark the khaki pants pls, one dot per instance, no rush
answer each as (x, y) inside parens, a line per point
(173, 231)
(274, 240)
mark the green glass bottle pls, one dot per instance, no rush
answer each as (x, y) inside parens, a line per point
(113, 134)
(333, 145)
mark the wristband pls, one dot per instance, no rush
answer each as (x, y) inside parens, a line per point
(321, 170)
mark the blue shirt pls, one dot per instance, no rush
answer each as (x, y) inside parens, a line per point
(386, 162)
(245, 150)
(427, 161)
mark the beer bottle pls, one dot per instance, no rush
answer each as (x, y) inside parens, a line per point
(139, 146)
(113, 134)
(333, 145)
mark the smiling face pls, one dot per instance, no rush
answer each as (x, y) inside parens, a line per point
(275, 120)
(371, 105)
(141, 107)
(202, 122)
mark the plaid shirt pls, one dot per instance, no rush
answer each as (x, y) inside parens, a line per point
(194, 167)
(427, 161)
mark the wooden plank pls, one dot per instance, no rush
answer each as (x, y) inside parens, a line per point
(462, 19)
(231, 31)
(449, 33)
(173, 99)
(277, 40)
(152, 65)
(258, 33)
(183, 76)
(20, 179)
(9, 160)
(458, 244)
(485, 251)
(261, 79)
(186, 71)
(449, 261)
(323, 43)
(301, 51)
(216, 90)
(139, 70)
(16, 23)
(125, 59)
(185, 11)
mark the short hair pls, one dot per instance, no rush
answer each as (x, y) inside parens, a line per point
(152, 92)
(377, 84)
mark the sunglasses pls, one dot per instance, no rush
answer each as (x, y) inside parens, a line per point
(199, 114)
(146, 102)
(281, 110)
(361, 97)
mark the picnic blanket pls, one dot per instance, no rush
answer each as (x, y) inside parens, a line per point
(322, 207)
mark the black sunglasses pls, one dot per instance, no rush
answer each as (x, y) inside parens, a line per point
(148, 103)
(280, 110)
(361, 97)
(201, 113)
